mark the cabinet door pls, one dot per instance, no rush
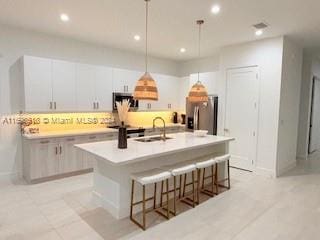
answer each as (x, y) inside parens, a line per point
(85, 87)
(44, 159)
(125, 80)
(103, 88)
(64, 85)
(168, 88)
(71, 158)
(37, 84)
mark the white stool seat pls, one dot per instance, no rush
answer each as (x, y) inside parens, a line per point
(180, 168)
(205, 164)
(222, 158)
(151, 176)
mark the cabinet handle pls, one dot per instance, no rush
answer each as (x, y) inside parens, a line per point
(70, 139)
(50, 105)
(97, 105)
(56, 150)
(55, 105)
(93, 137)
(60, 150)
(94, 105)
(124, 88)
(44, 142)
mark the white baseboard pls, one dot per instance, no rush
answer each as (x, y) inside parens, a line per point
(287, 168)
(9, 176)
(300, 157)
(264, 172)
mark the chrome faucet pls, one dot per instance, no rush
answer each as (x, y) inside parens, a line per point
(164, 127)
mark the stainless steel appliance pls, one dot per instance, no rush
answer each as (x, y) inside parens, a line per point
(203, 116)
(118, 97)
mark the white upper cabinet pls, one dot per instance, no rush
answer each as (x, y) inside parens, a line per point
(168, 91)
(37, 84)
(209, 80)
(85, 87)
(64, 85)
(124, 80)
(103, 88)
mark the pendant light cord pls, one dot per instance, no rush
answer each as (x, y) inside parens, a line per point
(199, 22)
(147, 12)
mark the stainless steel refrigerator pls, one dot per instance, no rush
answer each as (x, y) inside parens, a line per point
(203, 116)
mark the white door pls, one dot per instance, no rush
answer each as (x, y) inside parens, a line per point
(85, 87)
(241, 119)
(314, 142)
(64, 85)
(37, 84)
(103, 88)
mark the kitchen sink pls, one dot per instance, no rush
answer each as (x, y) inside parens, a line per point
(151, 139)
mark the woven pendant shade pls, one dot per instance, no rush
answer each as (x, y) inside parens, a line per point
(198, 93)
(146, 88)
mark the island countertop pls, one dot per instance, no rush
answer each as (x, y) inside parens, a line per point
(139, 151)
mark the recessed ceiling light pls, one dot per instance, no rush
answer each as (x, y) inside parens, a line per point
(137, 37)
(259, 32)
(183, 50)
(215, 9)
(64, 17)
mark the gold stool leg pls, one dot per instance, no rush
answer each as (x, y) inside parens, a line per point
(198, 185)
(168, 210)
(155, 196)
(184, 185)
(228, 165)
(180, 186)
(212, 179)
(161, 194)
(216, 179)
(144, 207)
(175, 195)
(132, 194)
(203, 178)
(193, 191)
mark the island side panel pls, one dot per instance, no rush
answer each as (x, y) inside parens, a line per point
(112, 184)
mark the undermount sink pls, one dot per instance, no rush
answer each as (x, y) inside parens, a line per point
(151, 139)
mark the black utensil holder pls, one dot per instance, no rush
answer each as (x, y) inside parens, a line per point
(122, 138)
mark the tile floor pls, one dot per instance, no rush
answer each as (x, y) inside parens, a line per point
(255, 208)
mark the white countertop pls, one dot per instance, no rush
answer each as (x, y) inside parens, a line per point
(79, 132)
(139, 151)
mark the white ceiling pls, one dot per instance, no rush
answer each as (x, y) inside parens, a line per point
(172, 22)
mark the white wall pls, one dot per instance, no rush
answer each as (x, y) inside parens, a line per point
(208, 64)
(16, 42)
(289, 106)
(267, 55)
(311, 67)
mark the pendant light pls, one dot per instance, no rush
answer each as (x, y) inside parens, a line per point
(198, 92)
(146, 87)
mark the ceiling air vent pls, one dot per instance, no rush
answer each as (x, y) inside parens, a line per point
(261, 25)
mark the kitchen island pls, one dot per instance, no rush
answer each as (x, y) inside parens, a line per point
(113, 167)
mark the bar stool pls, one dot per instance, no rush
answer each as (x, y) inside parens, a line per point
(153, 176)
(201, 169)
(181, 170)
(220, 159)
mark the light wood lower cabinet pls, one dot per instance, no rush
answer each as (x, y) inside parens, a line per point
(50, 158)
